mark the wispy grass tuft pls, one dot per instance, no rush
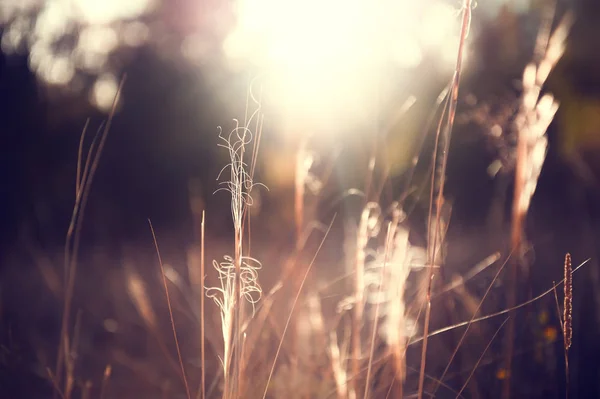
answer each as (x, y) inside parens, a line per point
(238, 274)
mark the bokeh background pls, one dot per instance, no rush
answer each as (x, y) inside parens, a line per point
(188, 65)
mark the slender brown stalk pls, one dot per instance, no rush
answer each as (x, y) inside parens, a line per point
(568, 302)
(480, 358)
(202, 331)
(70, 358)
(83, 185)
(535, 115)
(516, 246)
(464, 334)
(568, 316)
(500, 313)
(287, 323)
(164, 279)
(466, 21)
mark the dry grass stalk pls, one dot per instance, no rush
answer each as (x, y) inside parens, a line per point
(305, 183)
(83, 183)
(496, 314)
(294, 303)
(202, 331)
(432, 246)
(458, 394)
(141, 300)
(535, 115)
(568, 315)
(238, 275)
(197, 276)
(566, 321)
(470, 323)
(568, 303)
(168, 297)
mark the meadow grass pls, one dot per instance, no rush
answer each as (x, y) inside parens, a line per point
(292, 340)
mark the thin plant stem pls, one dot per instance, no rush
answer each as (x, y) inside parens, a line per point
(466, 21)
(480, 358)
(83, 187)
(287, 323)
(164, 279)
(502, 312)
(464, 335)
(562, 330)
(202, 330)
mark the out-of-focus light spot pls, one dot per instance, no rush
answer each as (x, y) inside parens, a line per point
(98, 39)
(107, 11)
(8, 44)
(550, 334)
(39, 54)
(439, 22)
(52, 22)
(471, 99)
(496, 131)
(104, 92)
(58, 71)
(89, 61)
(111, 325)
(71, 39)
(135, 34)
(501, 374)
(12, 38)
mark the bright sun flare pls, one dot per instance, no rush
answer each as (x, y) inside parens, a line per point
(322, 56)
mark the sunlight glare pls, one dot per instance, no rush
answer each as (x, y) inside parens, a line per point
(438, 23)
(325, 59)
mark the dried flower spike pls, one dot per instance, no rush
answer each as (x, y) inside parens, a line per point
(568, 304)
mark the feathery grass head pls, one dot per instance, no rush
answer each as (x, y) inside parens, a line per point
(224, 295)
(238, 274)
(240, 182)
(536, 114)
